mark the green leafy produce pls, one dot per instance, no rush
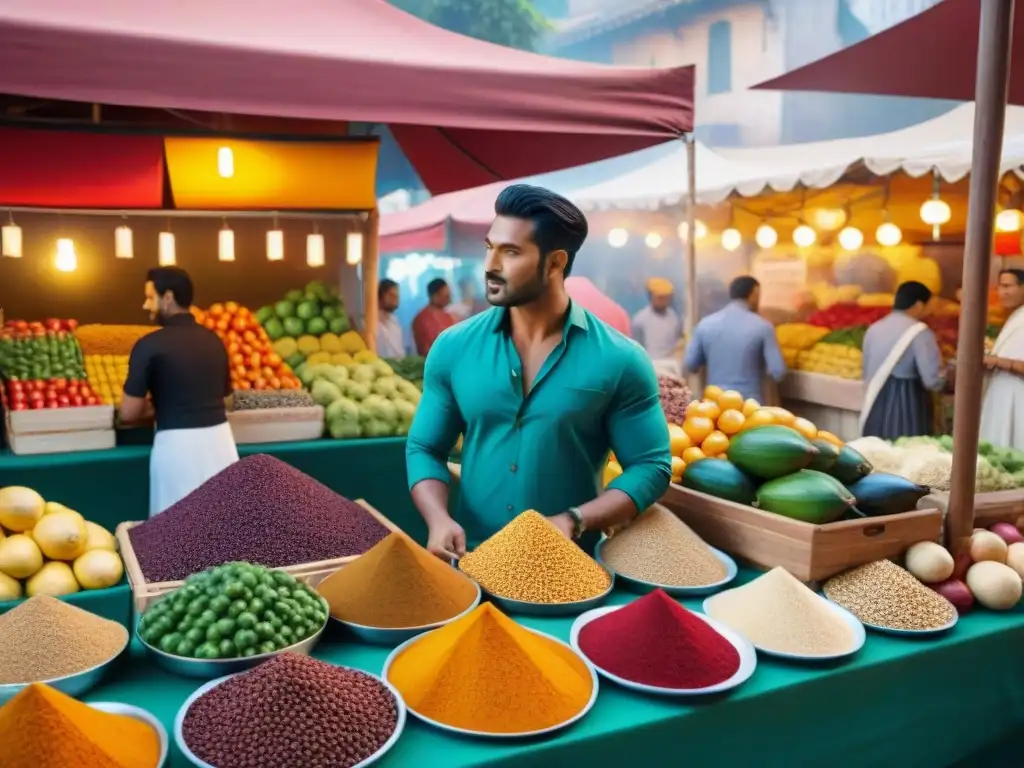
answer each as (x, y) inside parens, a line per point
(409, 368)
(235, 610)
(848, 337)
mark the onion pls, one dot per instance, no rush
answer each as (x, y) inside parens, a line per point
(1015, 557)
(994, 585)
(957, 593)
(1007, 532)
(986, 545)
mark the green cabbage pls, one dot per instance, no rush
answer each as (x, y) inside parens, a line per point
(324, 392)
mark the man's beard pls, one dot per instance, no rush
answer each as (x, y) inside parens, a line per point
(523, 294)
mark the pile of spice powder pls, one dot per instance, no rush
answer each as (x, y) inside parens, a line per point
(660, 548)
(655, 641)
(883, 594)
(44, 728)
(531, 561)
(486, 673)
(291, 711)
(397, 584)
(778, 613)
(258, 510)
(45, 638)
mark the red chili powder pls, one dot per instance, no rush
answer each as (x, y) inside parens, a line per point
(655, 641)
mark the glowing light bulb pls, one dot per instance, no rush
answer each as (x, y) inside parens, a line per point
(225, 162)
(124, 246)
(1009, 220)
(316, 255)
(828, 219)
(851, 238)
(166, 256)
(275, 245)
(226, 244)
(731, 239)
(10, 241)
(888, 234)
(935, 212)
(618, 237)
(766, 236)
(804, 236)
(354, 248)
(653, 240)
(67, 259)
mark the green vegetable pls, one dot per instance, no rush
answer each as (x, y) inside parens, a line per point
(721, 479)
(285, 309)
(850, 467)
(883, 494)
(340, 325)
(771, 451)
(827, 456)
(324, 392)
(263, 314)
(316, 326)
(293, 326)
(806, 495)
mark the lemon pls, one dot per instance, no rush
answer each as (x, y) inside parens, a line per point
(61, 536)
(98, 537)
(20, 508)
(54, 579)
(20, 556)
(10, 589)
(98, 569)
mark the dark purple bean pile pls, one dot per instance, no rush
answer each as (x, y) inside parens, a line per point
(675, 396)
(259, 510)
(291, 712)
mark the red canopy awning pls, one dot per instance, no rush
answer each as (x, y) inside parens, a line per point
(466, 112)
(931, 55)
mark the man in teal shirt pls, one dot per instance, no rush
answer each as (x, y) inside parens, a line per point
(541, 390)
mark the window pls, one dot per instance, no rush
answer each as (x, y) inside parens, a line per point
(720, 57)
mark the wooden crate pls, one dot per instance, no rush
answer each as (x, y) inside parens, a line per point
(146, 593)
(810, 552)
(54, 420)
(989, 508)
(61, 442)
(277, 425)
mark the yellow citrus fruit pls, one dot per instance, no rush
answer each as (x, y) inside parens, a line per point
(678, 440)
(691, 455)
(678, 467)
(698, 428)
(782, 416)
(715, 444)
(711, 392)
(693, 408)
(805, 428)
(750, 405)
(730, 399)
(709, 409)
(828, 436)
(731, 421)
(762, 417)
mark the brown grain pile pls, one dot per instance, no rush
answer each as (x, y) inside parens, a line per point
(778, 613)
(531, 561)
(661, 549)
(885, 595)
(45, 638)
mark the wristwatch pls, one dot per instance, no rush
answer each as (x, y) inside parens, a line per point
(578, 525)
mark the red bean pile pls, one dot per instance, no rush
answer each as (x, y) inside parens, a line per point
(291, 712)
(259, 510)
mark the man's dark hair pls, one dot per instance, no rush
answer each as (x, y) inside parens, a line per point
(909, 293)
(1017, 273)
(175, 280)
(436, 285)
(558, 225)
(384, 286)
(742, 287)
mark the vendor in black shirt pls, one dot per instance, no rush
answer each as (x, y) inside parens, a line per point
(183, 367)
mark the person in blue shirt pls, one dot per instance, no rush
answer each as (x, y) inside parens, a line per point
(541, 391)
(736, 346)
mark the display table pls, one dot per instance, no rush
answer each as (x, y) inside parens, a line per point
(901, 703)
(112, 487)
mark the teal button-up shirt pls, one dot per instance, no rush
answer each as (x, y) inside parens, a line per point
(596, 392)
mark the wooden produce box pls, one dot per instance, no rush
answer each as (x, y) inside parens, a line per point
(832, 403)
(61, 430)
(277, 425)
(810, 552)
(145, 593)
(989, 508)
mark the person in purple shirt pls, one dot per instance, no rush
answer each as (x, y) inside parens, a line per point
(735, 345)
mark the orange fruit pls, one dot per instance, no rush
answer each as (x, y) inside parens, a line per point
(715, 444)
(678, 440)
(730, 399)
(762, 417)
(691, 455)
(805, 428)
(698, 428)
(678, 467)
(731, 421)
(693, 408)
(782, 416)
(750, 405)
(709, 409)
(829, 437)
(711, 392)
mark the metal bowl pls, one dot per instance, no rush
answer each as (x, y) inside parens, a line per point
(643, 587)
(485, 734)
(117, 708)
(73, 685)
(179, 720)
(392, 636)
(524, 608)
(206, 669)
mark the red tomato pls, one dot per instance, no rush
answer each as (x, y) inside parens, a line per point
(249, 337)
(240, 324)
(19, 406)
(77, 400)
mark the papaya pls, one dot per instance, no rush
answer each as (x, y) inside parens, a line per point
(827, 456)
(770, 451)
(807, 495)
(721, 479)
(883, 494)
(850, 466)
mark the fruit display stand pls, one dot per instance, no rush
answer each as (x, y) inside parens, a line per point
(277, 425)
(831, 402)
(144, 593)
(809, 552)
(60, 430)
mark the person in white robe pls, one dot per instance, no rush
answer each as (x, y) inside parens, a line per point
(1002, 409)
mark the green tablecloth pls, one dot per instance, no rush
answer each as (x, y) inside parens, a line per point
(112, 487)
(901, 702)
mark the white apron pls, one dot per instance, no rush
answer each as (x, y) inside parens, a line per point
(881, 376)
(1002, 406)
(184, 459)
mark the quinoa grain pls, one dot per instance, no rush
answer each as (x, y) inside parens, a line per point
(884, 594)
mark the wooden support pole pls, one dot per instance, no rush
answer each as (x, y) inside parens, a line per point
(994, 41)
(371, 276)
(690, 260)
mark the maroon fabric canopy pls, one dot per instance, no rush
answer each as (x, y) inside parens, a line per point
(932, 55)
(466, 112)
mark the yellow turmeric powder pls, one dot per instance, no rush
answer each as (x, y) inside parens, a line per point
(44, 728)
(486, 673)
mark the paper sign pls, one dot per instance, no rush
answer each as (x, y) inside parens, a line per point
(783, 282)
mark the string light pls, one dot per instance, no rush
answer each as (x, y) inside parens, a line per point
(67, 259)
(766, 236)
(316, 252)
(828, 219)
(226, 243)
(653, 240)
(166, 256)
(698, 226)
(1009, 220)
(888, 234)
(354, 248)
(804, 236)
(275, 243)
(124, 242)
(618, 237)
(731, 239)
(851, 238)
(10, 239)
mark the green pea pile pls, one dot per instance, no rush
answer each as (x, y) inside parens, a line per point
(232, 611)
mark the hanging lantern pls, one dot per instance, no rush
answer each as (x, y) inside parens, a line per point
(226, 243)
(804, 236)
(888, 234)
(731, 239)
(124, 245)
(316, 255)
(166, 256)
(851, 238)
(67, 259)
(354, 248)
(275, 245)
(10, 240)
(766, 236)
(225, 162)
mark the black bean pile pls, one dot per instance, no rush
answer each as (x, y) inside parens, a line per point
(255, 399)
(259, 510)
(291, 712)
